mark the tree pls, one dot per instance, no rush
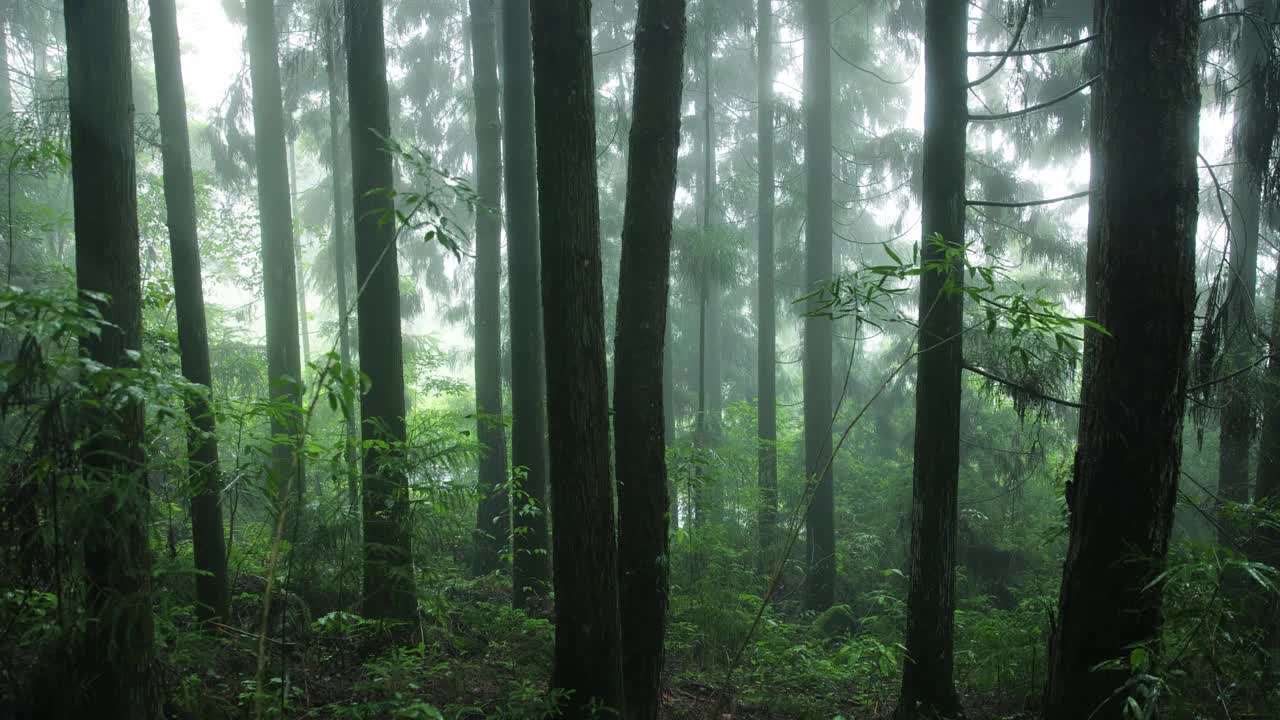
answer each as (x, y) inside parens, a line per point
(188, 300)
(117, 651)
(1131, 424)
(304, 333)
(388, 557)
(6, 91)
(493, 521)
(644, 284)
(531, 569)
(820, 575)
(279, 290)
(588, 649)
(766, 302)
(928, 687)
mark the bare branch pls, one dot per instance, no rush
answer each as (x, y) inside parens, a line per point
(1004, 57)
(1034, 108)
(1027, 203)
(1033, 51)
(1019, 387)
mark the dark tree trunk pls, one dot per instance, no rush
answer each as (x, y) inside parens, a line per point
(188, 291)
(639, 349)
(340, 220)
(820, 564)
(300, 276)
(388, 556)
(766, 304)
(531, 567)
(117, 651)
(928, 687)
(588, 647)
(493, 521)
(1131, 427)
(279, 291)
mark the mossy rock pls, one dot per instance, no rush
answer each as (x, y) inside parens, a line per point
(835, 622)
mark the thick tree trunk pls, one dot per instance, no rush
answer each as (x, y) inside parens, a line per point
(639, 349)
(531, 567)
(300, 273)
(1122, 496)
(188, 291)
(588, 648)
(820, 563)
(928, 687)
(117, 651)
(388, 556)
(279, 291)
(493, 521)
(766, 303)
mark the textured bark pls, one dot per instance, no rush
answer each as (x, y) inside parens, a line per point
(820, 564)
(1126, 476)
(300, 277)
(188, 291)
(116, 655)
(928, 686)
(588, 646)
(493, 521)
(388, 557)
(766, 303)
(531, 567)
(279, 291)
(639, 349)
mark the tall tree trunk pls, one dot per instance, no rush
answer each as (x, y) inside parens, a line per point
(928, 687)
(279, 291)
(1254, 131)
(588, 647)
(820, 519)
(669, 414)
(531, 567)
(640, 349)
(117, 651)
(6, 91)
(493, 521)
(300, 276)
(340, 220)
(711, 285)
(766, 303)
(1131, 427)
(388, 556)
(188, 291)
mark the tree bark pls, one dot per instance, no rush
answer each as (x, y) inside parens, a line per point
(117, 650)
(6, 89)
(928, 685)
(388, 555)
(531, 567)
(188, 291)
(1122, 495)
(284, 364)
(493, 521)
(639, 349)
(588, 638)
(300, 277)
(819, 590)
(766, 303)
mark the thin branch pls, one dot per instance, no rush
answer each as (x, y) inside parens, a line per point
(1034, 108)
(1027, 203)
(1231, 376)
(1004, 56)
(870, 72)
(1033, 51)
(1020, 387)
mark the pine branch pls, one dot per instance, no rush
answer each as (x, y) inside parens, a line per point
(1034, 108)
(1019, 387)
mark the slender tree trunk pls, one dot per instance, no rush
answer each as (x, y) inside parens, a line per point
(640, 349)
(388, 556)
(531, 567)
(188, 290)
(284, 365)
(300, 276)
(117, 651)
(711, 285)
(1131, 427)
(928, 686)
(766, 303)
(493, 521)
(820, 520)
(6, 91)
(588, 647)
(340, 220)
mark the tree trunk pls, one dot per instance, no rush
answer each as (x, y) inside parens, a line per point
(928, 687)
(531, 567)
(188, 291)
(820, 519)
(766, 304)
(588, 645)
(117, 651)
(279, 291)
(1131, 427)
(639, 349)
(493, 521)
(6, 91)
(388, 556)
(300, 276)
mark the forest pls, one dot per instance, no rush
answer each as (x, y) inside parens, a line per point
(639, 359)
